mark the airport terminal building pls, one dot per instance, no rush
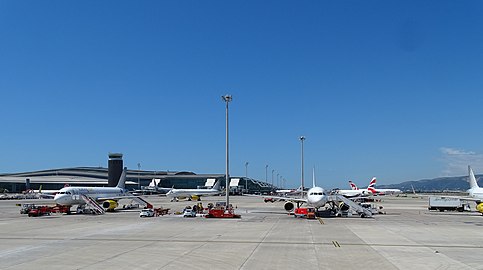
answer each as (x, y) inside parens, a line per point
(54, 179)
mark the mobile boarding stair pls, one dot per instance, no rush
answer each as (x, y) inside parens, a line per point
(93, 205)
(361, 211)
(142, 202)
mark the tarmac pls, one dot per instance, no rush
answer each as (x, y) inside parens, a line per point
(408, 236)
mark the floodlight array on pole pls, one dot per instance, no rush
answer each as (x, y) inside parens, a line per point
(302, 139)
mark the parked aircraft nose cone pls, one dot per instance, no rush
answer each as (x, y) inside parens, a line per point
(60, 199)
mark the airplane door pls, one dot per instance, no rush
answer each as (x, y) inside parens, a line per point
(75, 195)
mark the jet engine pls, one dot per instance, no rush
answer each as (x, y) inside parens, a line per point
(289, 206)
(109, 205)
(479, 207)
(343, 206)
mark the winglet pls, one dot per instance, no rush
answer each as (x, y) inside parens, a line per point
(472, 178)
(122, 179)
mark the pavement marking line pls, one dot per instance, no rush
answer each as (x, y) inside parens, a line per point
(320, 220)
(259, 243)
(336, 244)
(168, 240)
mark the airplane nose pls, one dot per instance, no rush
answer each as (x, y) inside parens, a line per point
(60, 199)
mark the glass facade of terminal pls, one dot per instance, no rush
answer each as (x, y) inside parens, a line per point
(86, 176)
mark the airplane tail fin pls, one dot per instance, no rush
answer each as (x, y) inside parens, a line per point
(152, 183)
(122, 179)
(217, 185)
(472, 178)
(353, 186)
(372, 184)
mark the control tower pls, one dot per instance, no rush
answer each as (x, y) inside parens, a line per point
(114, 171)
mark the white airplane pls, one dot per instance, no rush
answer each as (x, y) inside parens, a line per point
(194, 193)
(41, 193)
(356, 192)
(108, 196)
(475, 193)
(317, 198)
(289, 191)
(376, 191)
(152, 188)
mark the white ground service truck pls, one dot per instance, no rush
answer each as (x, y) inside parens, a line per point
(447, 203)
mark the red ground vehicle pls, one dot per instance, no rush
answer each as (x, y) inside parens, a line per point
(221, 213)
(26, 207)
(40, 211)
(305, 212)
(161, 211)
(61, 209)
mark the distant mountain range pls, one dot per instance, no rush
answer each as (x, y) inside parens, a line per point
(455, 183)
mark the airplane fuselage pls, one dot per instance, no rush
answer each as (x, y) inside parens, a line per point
(176, 193)
(349, 193)
(388, 191)
(316, 197)
(71, 195)
(476, 193)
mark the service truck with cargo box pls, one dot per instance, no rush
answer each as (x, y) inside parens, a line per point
(448, 204)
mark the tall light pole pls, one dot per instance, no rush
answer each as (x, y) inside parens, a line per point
(139, 172)
(277, 180)
(266, 173)
(302, 139)
(227, 99)
(246, 175)
(272, 177)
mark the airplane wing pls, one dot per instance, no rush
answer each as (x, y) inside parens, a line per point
(46, 196)
(115, 198)
(281, 198)
(128, 196)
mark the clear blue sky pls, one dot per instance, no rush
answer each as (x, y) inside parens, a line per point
(392, 89)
